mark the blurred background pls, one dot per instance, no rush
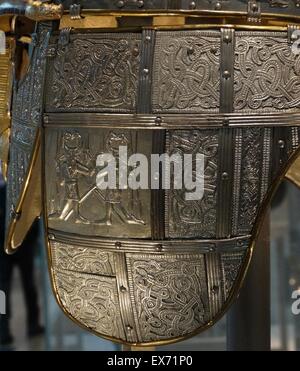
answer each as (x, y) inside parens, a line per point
(56, 332)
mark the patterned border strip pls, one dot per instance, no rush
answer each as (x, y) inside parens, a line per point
(227, 70)
(158, 208)
(146, 69)
(267, 148)
(225, 180)
(124, 297)
(215, 279)
(171, 121)
(237, 180)
(199, 246)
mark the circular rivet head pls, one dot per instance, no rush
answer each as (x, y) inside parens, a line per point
(192, 5)
(226, 74)
(159, 247)
(123, 289)
(120, 4)
(281, 143)
(148, 38)
(118, 245)
(227, 38)
(140, 3)
(158, 121)
(51, 237)
(218, 6)
(225, 176)
(128, 328)
(146, 71)
(254, 7)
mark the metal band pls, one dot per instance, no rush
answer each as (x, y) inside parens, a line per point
(124, 297)
(225, 180)
(237, 179)
(266, 168)
(158, 195)
(281, 148)
(177, 121)
(214, 283)
(290, 7)
(138, 245)
(145, 78)
(227, 71)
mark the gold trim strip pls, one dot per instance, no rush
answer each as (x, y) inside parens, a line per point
(30, 202)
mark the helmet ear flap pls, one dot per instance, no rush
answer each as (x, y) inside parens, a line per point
(29, 207)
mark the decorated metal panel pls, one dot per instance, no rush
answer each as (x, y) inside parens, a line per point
(267, 73)
(186, 75)
(73, 198)
(97, 72)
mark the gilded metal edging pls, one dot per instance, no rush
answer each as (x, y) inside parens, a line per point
(10, 247)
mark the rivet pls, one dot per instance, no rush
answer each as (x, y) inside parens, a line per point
(51, 237)
(281, 143)
(118, 245)
(140, 3)
(146, 71)
(123, 289)
(148, 38)
(225, 176)
(227, 38)
(128, 328)
(218, 6)
(120, 4)
(226, 74)
(192, 5)
(159, 247)
(158, 121)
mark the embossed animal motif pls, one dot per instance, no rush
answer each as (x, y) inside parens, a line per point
(148, 266)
